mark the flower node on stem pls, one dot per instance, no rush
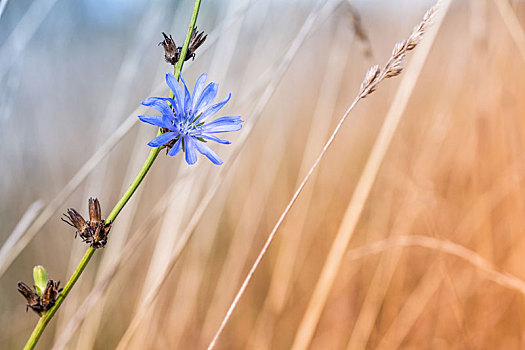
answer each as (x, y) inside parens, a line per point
(40, 304)
(172, 51)
(95, 231)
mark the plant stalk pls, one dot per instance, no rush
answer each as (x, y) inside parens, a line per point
(46, 317)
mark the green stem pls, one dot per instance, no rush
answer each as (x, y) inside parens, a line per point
(193, 20)
(46, 317)
(135, 184)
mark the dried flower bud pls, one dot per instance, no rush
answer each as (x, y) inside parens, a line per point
(73, 218)
(32, 298)
(99, 235)
(95, 231)
(45, 301)
(95, 213)
(196, 40)
(50, 295)
(40, 278)
(172, 51)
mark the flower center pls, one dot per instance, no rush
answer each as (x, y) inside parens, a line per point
(189, 125)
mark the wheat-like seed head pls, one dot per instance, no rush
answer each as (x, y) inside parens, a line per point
(394, 65)
(370, 78)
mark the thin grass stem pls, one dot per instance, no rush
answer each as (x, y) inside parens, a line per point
(372, 79)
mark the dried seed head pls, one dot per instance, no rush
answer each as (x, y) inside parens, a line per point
(40, 304)
(172, 51)
(100, 235)
(420, 29)
(33, 300)
(399, 48)
(414, 38)
(196, 40)
(370, 78)
(431, 12)
(50, 294)
(395, 67)
(95, 231)
(73, 218)
(95, 214)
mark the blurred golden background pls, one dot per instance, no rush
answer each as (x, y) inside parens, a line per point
(436, 258)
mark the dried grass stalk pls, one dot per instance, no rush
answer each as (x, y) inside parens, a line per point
(372, 79)
(394, 65)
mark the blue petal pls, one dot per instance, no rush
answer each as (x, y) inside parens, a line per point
(214, 138)
(197, 90)
(160, 105)
(191, 154)
(205, 150)
(176, 147)
(187, 98)
(224, 128)
(214, 109)
(162, 139)
(207, 97)
(170, 101)
(177, 91)
(162, 121)
(225, 120)
(224, 124)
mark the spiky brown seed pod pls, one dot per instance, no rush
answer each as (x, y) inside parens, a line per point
(99, 235)
(33, 300)
(99, 230)
(73, 218)
(50, 295)
(40, 304)
(172, 51)
(95, 231)
(196, 40)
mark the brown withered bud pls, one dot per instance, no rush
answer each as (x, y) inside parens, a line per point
(33, 300)
(50, 295)
(99, 230)
(73, 218)
(100, 235)
(196, 40)
(172, 51)
(95, 213)
(95, 231)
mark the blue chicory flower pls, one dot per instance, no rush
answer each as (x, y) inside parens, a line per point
(185, 122)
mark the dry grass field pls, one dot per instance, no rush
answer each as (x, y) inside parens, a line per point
(410, 234)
